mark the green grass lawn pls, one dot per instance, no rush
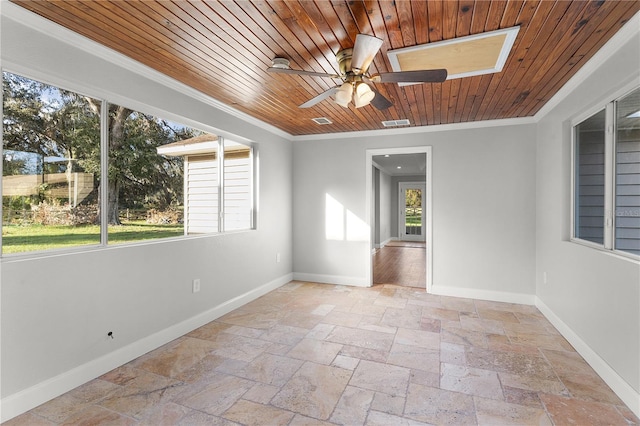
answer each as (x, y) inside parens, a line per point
(20, 239)
(413, 217)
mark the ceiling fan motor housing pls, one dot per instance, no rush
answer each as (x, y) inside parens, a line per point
(344, 60)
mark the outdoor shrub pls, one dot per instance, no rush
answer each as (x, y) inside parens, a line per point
(167, 217)
(54, 213)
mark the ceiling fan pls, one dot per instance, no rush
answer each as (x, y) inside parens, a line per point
(354, 72)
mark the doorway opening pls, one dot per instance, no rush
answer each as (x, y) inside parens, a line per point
(399, 213)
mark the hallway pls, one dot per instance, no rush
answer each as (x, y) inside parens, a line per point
(401, 263)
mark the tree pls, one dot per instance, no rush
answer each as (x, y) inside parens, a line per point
(136, 172)
(12, 164)
(413, 199)
(57, 123)
(43, 126)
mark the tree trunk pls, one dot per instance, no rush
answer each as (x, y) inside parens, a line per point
(117, 117)
(114, 196)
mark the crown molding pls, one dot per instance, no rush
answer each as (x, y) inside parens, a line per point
(418, 129)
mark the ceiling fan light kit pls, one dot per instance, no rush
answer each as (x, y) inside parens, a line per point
(363, 95)
(354, 66)
(343, 95)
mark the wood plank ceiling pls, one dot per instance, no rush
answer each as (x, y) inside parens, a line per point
(223, 49)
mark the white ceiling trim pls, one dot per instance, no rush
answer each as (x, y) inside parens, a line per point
(419, 129)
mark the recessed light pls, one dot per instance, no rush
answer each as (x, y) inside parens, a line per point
(280, 63)
(399, 167)
(386, 155)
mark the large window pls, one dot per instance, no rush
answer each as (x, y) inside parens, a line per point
(145, 190)
(606, 193)
(162, 178)
(50, 167)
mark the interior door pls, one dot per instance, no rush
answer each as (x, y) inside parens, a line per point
(411, 213)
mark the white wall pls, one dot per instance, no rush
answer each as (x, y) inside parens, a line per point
(483, 208)
(492, 187)
(595, 296)
(56, 310)
(386, 224)
(375, 205)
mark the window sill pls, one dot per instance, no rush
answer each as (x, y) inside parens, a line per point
(26, 256)
(613, 253)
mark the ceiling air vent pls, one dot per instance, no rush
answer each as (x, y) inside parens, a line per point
(395, 123)
(322, 120)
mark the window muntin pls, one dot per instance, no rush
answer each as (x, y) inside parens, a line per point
(147, 163)
(627, 174)
(606, 166)
(51, 167)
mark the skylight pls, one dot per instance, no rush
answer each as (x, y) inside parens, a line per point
(462, 57)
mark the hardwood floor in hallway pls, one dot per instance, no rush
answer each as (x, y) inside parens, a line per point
(401, 263)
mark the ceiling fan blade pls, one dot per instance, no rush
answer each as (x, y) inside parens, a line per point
(364, 50)
(418, 76)
(321, 97)
(301, 72)
(379, 101)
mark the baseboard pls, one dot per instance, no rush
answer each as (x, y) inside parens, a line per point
(494, 296)
(385, 242)
(621, 388)
(23, 401)
(331, 279)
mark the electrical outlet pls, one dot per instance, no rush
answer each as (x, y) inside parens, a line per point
(195, 285)
(278, 258)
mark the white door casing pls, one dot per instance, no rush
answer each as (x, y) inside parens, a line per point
(427, 213)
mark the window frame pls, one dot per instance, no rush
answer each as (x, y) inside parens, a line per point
(609, 106)
(106, 98)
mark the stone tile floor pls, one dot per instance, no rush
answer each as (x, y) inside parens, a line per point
(316, 354)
